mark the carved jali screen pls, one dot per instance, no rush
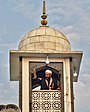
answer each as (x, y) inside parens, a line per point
(46, 101)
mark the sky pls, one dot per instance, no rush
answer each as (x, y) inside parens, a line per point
(72, 17)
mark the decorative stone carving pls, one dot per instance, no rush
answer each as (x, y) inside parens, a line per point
(9, 108)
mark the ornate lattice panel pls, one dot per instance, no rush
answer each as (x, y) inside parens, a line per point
(46, 101)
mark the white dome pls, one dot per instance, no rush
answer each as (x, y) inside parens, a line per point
(45, 39)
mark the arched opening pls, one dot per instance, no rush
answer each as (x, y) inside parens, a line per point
(40, 72)
(46, 100)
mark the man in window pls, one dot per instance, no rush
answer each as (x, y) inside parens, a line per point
(47, 82)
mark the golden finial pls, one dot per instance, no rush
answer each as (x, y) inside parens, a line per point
(44, 16)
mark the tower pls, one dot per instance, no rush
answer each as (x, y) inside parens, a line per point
(45, 48)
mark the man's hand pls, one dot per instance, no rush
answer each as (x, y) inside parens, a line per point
(34, 73)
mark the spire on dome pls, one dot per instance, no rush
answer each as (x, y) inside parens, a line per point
(44, 7)
(44, 16)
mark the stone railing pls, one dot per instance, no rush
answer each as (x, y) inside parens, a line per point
(46, 101)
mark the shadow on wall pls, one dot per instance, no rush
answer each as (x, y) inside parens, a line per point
(9, 108)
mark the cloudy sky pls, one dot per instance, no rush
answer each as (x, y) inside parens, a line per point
(72, 17)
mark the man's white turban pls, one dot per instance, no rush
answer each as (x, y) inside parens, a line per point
(48, 71)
